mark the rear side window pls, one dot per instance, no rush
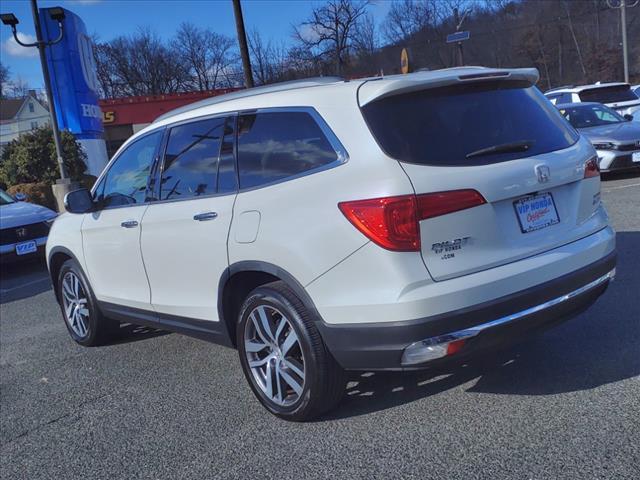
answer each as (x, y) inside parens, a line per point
(277, 145)
(190, 166)
(443, 126)
(616, 93)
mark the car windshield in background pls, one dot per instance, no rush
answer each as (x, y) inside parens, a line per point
(5, 198)
(586, 116)
(468, 125)
(617, 93)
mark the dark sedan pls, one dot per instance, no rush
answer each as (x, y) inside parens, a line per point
(616, 138)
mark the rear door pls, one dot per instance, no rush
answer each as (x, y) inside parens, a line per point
(184, 233)
(504, 140)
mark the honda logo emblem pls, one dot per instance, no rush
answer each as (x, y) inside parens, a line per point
(21, 232)
(543, 173)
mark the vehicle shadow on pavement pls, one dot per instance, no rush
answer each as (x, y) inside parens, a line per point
(598, 347)
(23, 280)
(134, 333)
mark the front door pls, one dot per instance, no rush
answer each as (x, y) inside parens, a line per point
(111, 235)
(184, 234)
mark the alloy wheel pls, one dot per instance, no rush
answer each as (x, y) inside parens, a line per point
(74, 300)
(274, 355)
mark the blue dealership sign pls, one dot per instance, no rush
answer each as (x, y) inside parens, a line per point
(74, 82)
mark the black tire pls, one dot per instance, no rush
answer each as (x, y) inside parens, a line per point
(324, 380)
(99, 329)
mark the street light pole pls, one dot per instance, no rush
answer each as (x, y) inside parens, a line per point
(623, 5)
(242, 41)
(47, 87)
(57, 14)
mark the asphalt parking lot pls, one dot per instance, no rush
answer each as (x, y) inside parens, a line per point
(566, 404)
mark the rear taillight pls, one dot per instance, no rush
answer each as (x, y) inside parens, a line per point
(435, 204)
(591, 168)
(392, 222)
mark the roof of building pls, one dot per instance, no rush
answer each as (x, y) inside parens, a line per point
(9, 107)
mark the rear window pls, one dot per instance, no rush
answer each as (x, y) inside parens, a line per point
(443, 126)
(618, 93)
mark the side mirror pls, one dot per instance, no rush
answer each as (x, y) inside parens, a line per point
(78, 201)
(628, 117)
(20, 197)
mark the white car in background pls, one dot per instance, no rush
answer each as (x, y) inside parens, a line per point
(328, 225)
(618, 96)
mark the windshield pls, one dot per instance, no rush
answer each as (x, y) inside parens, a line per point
(591, 116)
(617, 93)
(474, 124)
(5, 198)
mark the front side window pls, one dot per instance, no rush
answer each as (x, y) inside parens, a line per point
(126, 181)
(277, 145)
(191, 160)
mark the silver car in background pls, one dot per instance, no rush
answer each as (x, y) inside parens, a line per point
(615, 138)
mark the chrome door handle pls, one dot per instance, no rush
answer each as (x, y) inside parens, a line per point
(129, 224)
(202, 217)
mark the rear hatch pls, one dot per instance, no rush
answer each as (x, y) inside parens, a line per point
(503, 139)
(619, 96)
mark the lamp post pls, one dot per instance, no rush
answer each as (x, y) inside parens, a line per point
(57, 14)
(63, 185)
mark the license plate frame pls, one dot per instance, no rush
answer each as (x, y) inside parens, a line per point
(26, 248)
(524, 208)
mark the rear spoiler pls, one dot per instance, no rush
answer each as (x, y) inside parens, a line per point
(375, 89)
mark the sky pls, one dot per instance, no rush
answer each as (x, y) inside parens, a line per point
(112, 18)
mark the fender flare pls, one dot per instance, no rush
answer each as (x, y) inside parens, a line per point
(270, 268)
(52, 253)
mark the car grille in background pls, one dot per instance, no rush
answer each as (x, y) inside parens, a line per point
(629, 147)
(23, 233)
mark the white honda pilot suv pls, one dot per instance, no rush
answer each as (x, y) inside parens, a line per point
(327, 225)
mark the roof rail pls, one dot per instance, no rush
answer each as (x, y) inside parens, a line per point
(559, 88)
(249, 92)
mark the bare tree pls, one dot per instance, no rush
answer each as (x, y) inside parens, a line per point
(365, 37)
(268, 60)
(18, 87)
(408, 17)
(209, 56)
(140, 64)
(4, 80)
(328, 33)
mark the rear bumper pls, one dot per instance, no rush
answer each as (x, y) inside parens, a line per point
(376, 346)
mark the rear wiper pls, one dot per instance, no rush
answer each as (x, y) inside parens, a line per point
(521, 146)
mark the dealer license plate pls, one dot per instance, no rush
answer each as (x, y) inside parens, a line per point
(26, 247)
(535, 212)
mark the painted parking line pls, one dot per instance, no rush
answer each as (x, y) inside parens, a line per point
(621, 186)
(23, 285)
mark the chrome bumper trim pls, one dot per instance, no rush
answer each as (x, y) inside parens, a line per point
(436, 347)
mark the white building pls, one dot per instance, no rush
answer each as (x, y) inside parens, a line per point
(20, 115)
